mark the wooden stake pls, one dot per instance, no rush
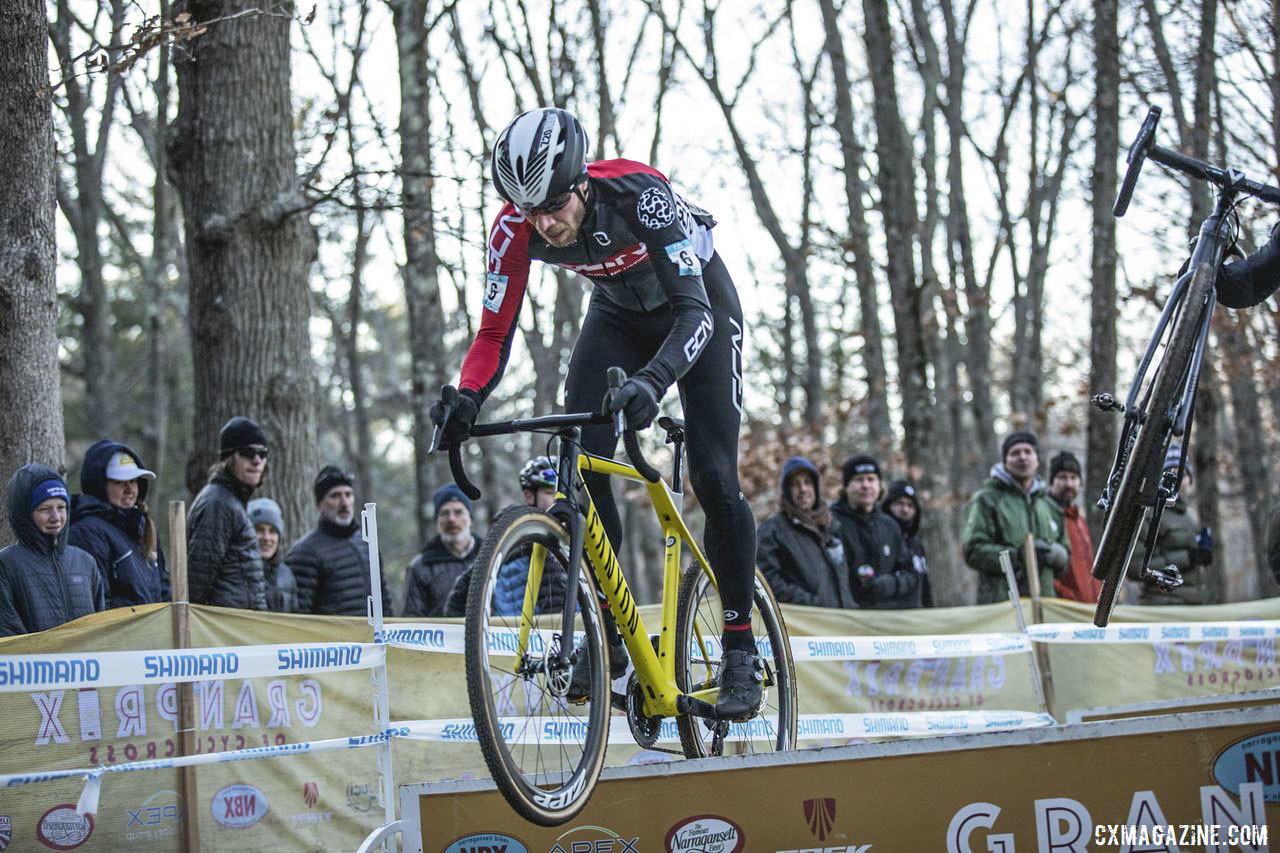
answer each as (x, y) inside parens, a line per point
(1037, 614)
(186, 704)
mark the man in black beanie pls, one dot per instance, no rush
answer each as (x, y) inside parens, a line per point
(1013, 503)
(875, 550)
(331, 563)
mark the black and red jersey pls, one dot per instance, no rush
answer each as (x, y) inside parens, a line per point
(640, 244)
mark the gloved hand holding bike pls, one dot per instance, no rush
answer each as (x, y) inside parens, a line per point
(637, 399)
(455, 418)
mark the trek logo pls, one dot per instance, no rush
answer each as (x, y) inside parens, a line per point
(820, 814)
(239, 806)
(697, 342)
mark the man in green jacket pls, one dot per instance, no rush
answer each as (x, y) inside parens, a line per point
(1012, 503)
(1181, 542)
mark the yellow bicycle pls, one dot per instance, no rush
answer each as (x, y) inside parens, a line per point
(544, 749)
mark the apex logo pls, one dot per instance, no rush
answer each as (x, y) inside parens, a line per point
(820, 814)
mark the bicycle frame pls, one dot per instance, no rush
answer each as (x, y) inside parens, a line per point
(655, 670)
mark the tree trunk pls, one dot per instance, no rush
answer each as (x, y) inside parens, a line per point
(1102, 426)
(1250, 440)
(249, 245)
(858, 240)
(421, 270)
(898, 209)
(30, 397)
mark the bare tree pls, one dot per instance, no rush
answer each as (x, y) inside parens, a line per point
(30, 399)
(248, 242)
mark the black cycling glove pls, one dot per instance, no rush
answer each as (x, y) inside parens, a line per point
(638, 399)
(458, 427)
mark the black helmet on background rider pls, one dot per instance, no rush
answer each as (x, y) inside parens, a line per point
(537, 473)
(539, 158)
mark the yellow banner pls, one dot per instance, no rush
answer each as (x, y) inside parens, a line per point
(329, 800)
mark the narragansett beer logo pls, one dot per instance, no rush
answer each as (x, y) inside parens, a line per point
(706, 834)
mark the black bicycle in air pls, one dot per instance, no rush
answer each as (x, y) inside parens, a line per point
(1160, 411)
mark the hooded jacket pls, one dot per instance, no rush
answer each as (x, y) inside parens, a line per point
(44, 582)
(225, 564)
(114, 536)
(998, 518)
(911, 532)
(431, 577)
(509, 587)
(874, 539)
(803, 564)
(331, 567)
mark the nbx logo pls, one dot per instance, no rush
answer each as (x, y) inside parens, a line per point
(820, 813)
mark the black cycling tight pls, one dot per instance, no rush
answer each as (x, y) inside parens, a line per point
(711, 393)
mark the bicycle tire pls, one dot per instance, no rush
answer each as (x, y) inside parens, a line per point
(699, 607)
(1146, 460)
(547, 782)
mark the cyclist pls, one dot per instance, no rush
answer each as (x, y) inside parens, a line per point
(1248, 282)
(663, 308)
(538, 485)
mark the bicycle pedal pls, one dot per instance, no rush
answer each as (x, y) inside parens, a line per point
(1106, 403)
(1168, 579)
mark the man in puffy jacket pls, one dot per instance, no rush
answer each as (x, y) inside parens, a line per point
(1181, 542)
(331, 563)
(109, 520)
(224, 565)
(538, 486)
(800, 551)
(1012, 503)
(901, 503)
(44, 582)
(433, 573)
(874, 547)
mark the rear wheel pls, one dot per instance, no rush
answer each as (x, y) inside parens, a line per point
(699, 625)
(1137, 494)
(544, 752)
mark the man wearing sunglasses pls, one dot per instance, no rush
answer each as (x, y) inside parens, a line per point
(224, 561)
(663, 308)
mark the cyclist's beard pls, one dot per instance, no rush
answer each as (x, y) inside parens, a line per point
(561, 234)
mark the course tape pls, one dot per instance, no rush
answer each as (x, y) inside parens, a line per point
(554, 731)
(22, 673)
(1154, 632)
(450, 639)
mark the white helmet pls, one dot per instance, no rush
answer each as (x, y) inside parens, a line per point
(539, 158)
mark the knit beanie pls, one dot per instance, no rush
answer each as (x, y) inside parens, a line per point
(1019, 437)
(799, 463)
(45, 489)
(330, 477)
(237, 433)
(1064, 461)
(450, 492)
(266, 511)
(860, 464)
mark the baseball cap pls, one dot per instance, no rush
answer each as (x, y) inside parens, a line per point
(124, 467)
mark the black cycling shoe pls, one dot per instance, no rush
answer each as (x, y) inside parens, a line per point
(741, 686)
(580, 684)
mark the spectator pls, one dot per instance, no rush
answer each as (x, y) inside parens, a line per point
(901, 504)
(1012, 503)
(268, 524)
(44, 582)
(331, 563)
(1078, 582)
(538, 485)
(800, 551)
(874, 547)
(1181, 542)
(109, 520)
(433, 572)
(224, 566)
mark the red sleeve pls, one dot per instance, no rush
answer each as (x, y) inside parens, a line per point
(504, 284)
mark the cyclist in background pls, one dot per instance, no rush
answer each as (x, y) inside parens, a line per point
(663, 308)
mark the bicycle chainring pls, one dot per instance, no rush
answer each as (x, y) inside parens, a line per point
(644, 729)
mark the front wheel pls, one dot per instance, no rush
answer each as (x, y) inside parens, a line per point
(545, 752)
(699, 625)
